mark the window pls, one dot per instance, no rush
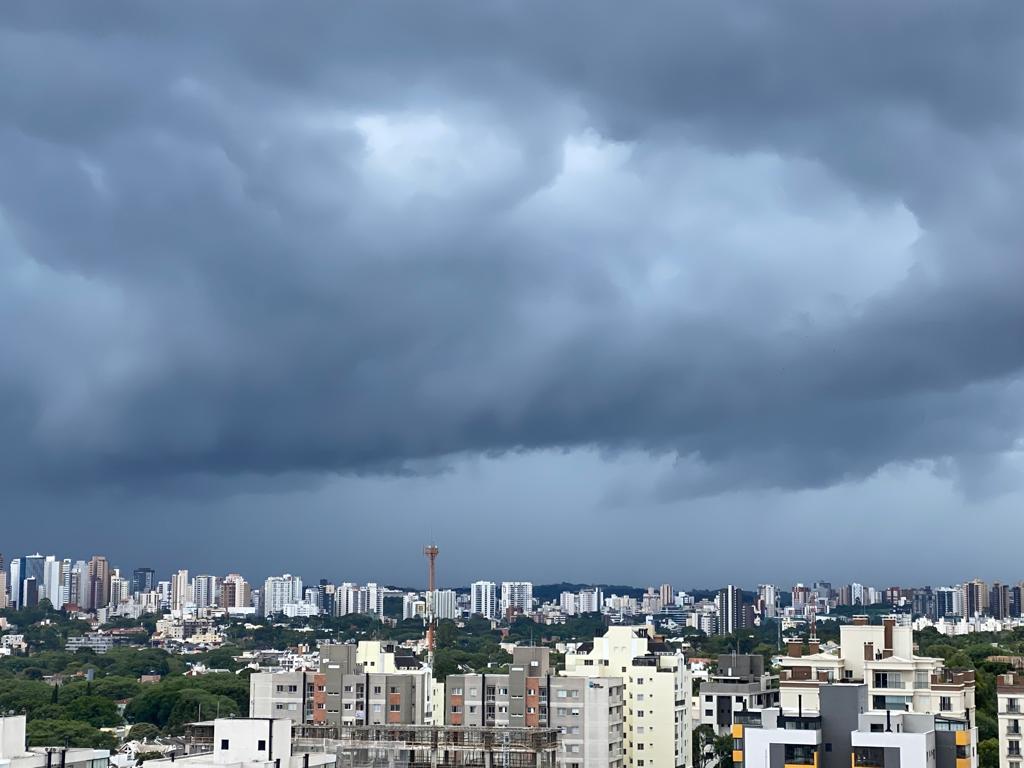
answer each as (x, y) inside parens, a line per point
(639, 713)
(280, 689)
(347, 705)
(563, 694)
(531, 691)
(473, 692)
(394, 707)
(639, 697)
(709, 699)
(223, 743)
(293, 688)
(640, 746)
(709, 713)
(347, 689)
(456, 691)
(393, 689)
(531, 710)
(261, 745)
(639, 681)
(376, 689)
(945, 703)
(456, 709)
(376, 708)
(799, 754)
(472, 708)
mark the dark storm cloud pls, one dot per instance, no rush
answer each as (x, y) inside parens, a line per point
(240, 240)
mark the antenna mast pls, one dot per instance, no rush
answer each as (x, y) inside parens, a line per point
(431, 551)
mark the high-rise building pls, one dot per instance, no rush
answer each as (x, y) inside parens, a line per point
(279, 591)
(657, 689)
(52, 581)
(4, 603)
(205, 591)
(15, 583)
(442, 604)
(665, 592)
(120, 589)
(484, 599)
(999, 601)
(975, 598)
(181, 590)
(98, 583)
(946, 602)
(143, 580)
(235, 592)
(730, 610)
(768, 596)
(516, 597)
(590, 600)
(739, 683)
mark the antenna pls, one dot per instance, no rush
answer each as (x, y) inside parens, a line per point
(431, 551)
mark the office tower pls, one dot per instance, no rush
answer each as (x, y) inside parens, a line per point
(657, 686)
(999, 601)
(77, 581)
(98, 584)
(279, 591)
(181, 589)
(4, 603)
(325, 597)
(143, 580)
(235, 592)
(975, 598)
(484, 599)
(946, 602)
(205, 591)
(29, 592)
(1016, 601)
(516, 597)
(730, 610)
(15, 583)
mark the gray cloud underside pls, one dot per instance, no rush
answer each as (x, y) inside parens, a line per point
(783, 242)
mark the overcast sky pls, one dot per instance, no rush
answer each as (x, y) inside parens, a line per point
(697, 292)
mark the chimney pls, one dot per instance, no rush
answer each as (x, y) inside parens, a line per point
(887, 625)
(869, 651)
(795, 648)
(860, 621)
(813, 646)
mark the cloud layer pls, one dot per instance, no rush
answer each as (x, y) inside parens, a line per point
(250, 243)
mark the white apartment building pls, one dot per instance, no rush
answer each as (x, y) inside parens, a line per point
(279, 591)
(658, 684)
(120, 589)
(249, 743)
(484, 599)
(516, 596)
(1010, 713)
(590, 600)
(181, 590)
(443, 603)
(205, 591)
(568, 603)
(352, 598)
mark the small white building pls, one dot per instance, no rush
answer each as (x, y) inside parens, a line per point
(251, 743)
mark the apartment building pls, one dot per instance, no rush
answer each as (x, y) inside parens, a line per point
(484, 599)
(843, 731)
(881, 656)
(657, 689)
(516, 597)
(365, 684)
(1010, 702)
(587, 713)
(739, 683)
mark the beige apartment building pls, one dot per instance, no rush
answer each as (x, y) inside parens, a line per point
(586, 713)
(1010, 713)
(365, 684)
(657, 690)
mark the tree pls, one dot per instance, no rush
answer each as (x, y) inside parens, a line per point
(97, 711)
(143, 732)
(703, 745)
(988, 753)
(53, 733)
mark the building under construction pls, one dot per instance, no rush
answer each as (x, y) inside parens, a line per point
(431, 746)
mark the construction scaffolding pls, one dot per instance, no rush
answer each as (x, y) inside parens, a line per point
(431, 746)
